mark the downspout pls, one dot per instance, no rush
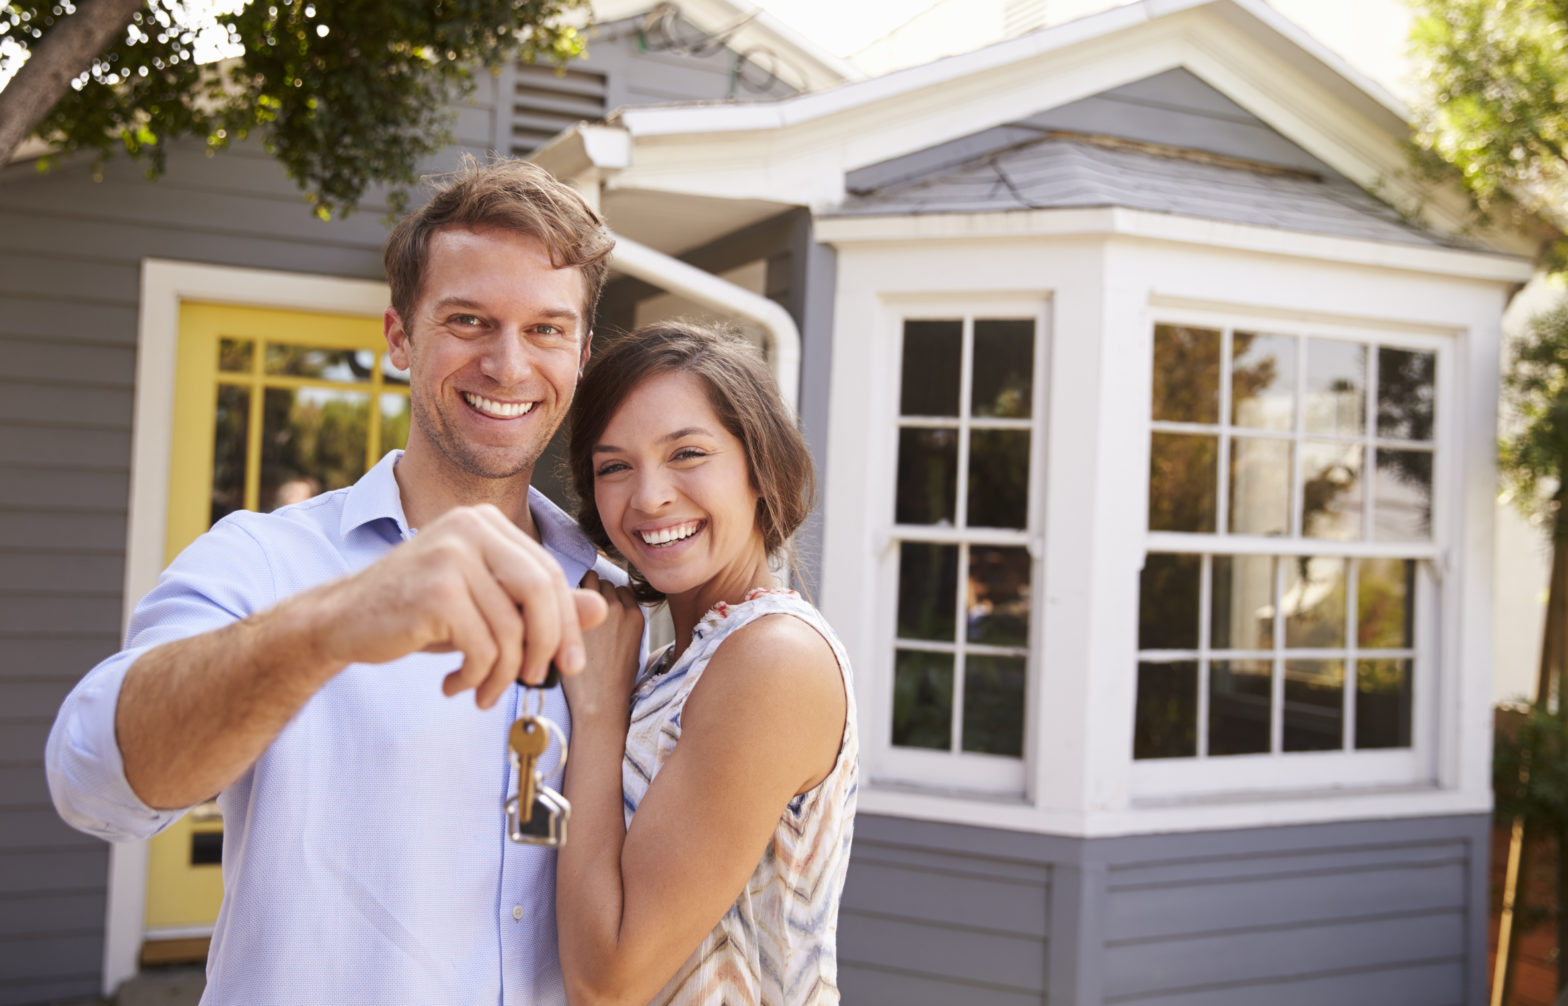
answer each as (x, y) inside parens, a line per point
(670, 273)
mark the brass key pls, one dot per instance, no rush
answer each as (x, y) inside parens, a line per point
(529, 739)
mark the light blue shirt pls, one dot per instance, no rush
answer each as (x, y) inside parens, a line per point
(365, 857)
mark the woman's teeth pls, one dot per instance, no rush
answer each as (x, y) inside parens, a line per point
(665, 535)
(501, 410)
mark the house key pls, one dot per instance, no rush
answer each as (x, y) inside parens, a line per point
(537, 815)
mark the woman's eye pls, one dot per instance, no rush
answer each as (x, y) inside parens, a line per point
(609, 469)
(689, 453)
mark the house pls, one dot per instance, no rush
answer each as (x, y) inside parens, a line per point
(1154, 403)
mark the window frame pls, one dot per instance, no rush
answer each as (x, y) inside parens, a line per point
(970, 773)
(1159, 780)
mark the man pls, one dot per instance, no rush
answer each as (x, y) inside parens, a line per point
(292, 662)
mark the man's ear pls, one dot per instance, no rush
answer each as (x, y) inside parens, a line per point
(582, 360)
(397, 338)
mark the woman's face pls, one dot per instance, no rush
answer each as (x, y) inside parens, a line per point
(674, 491)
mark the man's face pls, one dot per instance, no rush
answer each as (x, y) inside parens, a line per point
(493, 351)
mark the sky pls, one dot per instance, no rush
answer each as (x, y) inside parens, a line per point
(1369, 34)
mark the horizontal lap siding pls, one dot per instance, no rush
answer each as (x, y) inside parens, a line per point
(71, 253)
(1256, 918)
(927, 924)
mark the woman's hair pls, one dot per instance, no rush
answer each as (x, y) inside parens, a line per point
(743, 396)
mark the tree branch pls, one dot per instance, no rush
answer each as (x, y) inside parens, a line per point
(64, 52)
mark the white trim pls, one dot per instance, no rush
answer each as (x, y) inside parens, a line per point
(1034, 46)
(840, 231)
(165, 285)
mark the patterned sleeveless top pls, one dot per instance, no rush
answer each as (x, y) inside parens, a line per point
(776, 946)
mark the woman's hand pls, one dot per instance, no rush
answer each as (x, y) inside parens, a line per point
(612, 654)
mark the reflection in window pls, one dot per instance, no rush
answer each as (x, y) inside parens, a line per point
(922, 699)
(1324, 441)
(1166, 724)
(962, 521)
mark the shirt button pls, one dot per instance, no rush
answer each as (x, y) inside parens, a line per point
(517, 912)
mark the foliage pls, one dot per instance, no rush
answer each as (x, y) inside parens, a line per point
(1538, 743)
(1494, 77)
(1533, 456)
(345, 95)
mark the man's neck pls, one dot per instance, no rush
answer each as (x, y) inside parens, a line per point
(428, 491)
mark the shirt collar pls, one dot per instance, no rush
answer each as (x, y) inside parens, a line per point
(375, 497)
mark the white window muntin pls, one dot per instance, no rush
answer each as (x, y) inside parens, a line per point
(954, 770)
(1157, 780)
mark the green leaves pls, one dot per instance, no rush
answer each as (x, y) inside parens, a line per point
(346, 94)
(1494, 77)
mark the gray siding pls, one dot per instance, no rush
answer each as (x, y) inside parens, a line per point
(1380, 913)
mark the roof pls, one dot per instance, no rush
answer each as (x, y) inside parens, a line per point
(1067, 170)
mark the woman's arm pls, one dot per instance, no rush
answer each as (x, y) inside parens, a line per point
(763, 724)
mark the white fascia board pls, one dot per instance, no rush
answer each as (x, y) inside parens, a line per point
(841, 231)
(583, 147)
(804, 108)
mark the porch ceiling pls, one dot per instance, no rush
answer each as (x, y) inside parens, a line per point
(675, 223)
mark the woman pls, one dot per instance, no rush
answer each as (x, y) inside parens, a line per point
(711, 821)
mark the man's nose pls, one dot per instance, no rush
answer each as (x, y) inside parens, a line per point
(507, 359)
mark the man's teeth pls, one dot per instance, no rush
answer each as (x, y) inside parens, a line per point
(664, 536)
(505, 410)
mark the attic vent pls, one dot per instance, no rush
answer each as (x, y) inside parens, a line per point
(546, 100)
(1021, 16)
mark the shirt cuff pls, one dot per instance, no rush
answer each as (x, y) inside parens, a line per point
(82, 760)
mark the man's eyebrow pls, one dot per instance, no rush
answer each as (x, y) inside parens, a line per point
(552, 313)
(678, 434)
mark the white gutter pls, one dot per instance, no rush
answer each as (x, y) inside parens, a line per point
(670, 273)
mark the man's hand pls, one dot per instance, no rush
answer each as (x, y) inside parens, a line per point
(471, 582)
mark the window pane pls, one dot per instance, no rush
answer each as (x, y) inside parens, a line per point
(394, 422)
(927, 591)
(1239, 700)
(1314, 603)
(235, 355)
(1263, 381)
(1336, 388)
(231, 425)
(1314, 705)
(313, 361)
(998, 596)
(933, 355)
(1004, 368)
(1402, 496)
(1186, 374)
(1259, 486)
(1183, 482)
(1331, 490)
(1243, 603)
(312, 439)
(1384, 614)
(1168, 603)
(923, 700)
(1406, 393)
(927, 477)
(1166, 722)
(1382, 704)
(999, 478)
(994, 705)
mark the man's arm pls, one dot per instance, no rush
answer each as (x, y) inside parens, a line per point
(195, 713)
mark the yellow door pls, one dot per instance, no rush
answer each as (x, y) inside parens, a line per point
(271, 407)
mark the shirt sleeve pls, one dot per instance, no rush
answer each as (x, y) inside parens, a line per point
(222, 577)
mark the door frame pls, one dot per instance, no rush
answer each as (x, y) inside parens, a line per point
(165, 285)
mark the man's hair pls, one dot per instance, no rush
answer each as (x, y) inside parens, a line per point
(516, 196)
(743, 396)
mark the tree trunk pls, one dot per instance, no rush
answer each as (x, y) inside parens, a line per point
(65, 51)
(1550, 670)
